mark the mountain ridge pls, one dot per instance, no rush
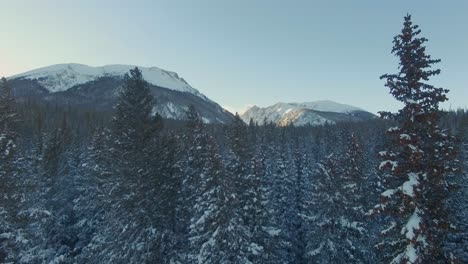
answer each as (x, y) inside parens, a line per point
(98, 87)
(306, 113)
(61, 77)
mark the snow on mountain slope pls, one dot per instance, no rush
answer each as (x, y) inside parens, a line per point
(62, 77)
(299, 114)
(97, 88)
(328, 106)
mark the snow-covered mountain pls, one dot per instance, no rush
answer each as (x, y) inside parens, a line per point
(299, 114)
(83, 85)
(61, 77)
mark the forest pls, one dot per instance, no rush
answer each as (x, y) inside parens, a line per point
(85, 186)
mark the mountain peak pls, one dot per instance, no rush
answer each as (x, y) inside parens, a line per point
(314, 113)
(329, 106)
(80, 85)
(61, 77)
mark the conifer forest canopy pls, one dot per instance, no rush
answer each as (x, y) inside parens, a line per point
(85, 185)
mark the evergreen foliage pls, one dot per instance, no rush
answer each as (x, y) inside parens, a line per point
(8, 172)
(416, 165)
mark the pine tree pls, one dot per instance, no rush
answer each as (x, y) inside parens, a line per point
(208, 230)
(263, 233)
(271, 237)
(352, 209)
(8, 171)
(8, 136)
(93, 203)
(169, 212)
(284, 196)
(132, 120)
(132, 181)
(330, 242)
(457, 243)
(193, 158)
(133, 128)
(325, 198)
(302, 205)
(7, 132)
(244, 184)
(416, 165)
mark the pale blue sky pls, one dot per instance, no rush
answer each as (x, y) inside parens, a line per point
(242, 52)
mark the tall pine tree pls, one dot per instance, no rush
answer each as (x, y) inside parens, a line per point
(415, 166)
(7, 171)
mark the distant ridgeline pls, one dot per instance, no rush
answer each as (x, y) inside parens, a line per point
(311, 113)
(96, 88)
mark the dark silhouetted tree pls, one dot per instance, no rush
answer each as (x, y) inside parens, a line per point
(417, 163)
(8, 172)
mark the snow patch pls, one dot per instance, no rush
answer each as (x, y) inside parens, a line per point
(408, 186)
(389, 193)
(393, 164)
(255, 248)
(405, 137)
(272, 231)
(413, 224)
(205, 120)
(388, 229)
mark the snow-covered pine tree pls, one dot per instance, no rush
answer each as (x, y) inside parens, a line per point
(268, 234)
(59, 171)
(196, 157)
(47, 213)
(93, 204)
(7, 132)
(337, 227)
(8, 173)
(416, 165)
(164, 200)
(133, 123)
(230, 241)
(8, 138)
(457, 243)
(352, 210)
(244, 184)
(302, 202)
(191, 161)
(132, 221)
(133, 126)
(263, 234)
(283, 195)
(210, 226)
(326, 200)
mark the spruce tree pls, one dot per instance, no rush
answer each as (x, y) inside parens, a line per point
(284, 195)
(330, 242)
(133, 128)
(185, 186)
(7, 132)
(133, 122)
(8, 171)
(93, 203)
(416, 165)
(352, 209)
(134, 183)
(208, 230)
(457, 243)
(244, 185)
(302, 198)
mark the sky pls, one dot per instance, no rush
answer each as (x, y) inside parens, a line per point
(244, 52)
